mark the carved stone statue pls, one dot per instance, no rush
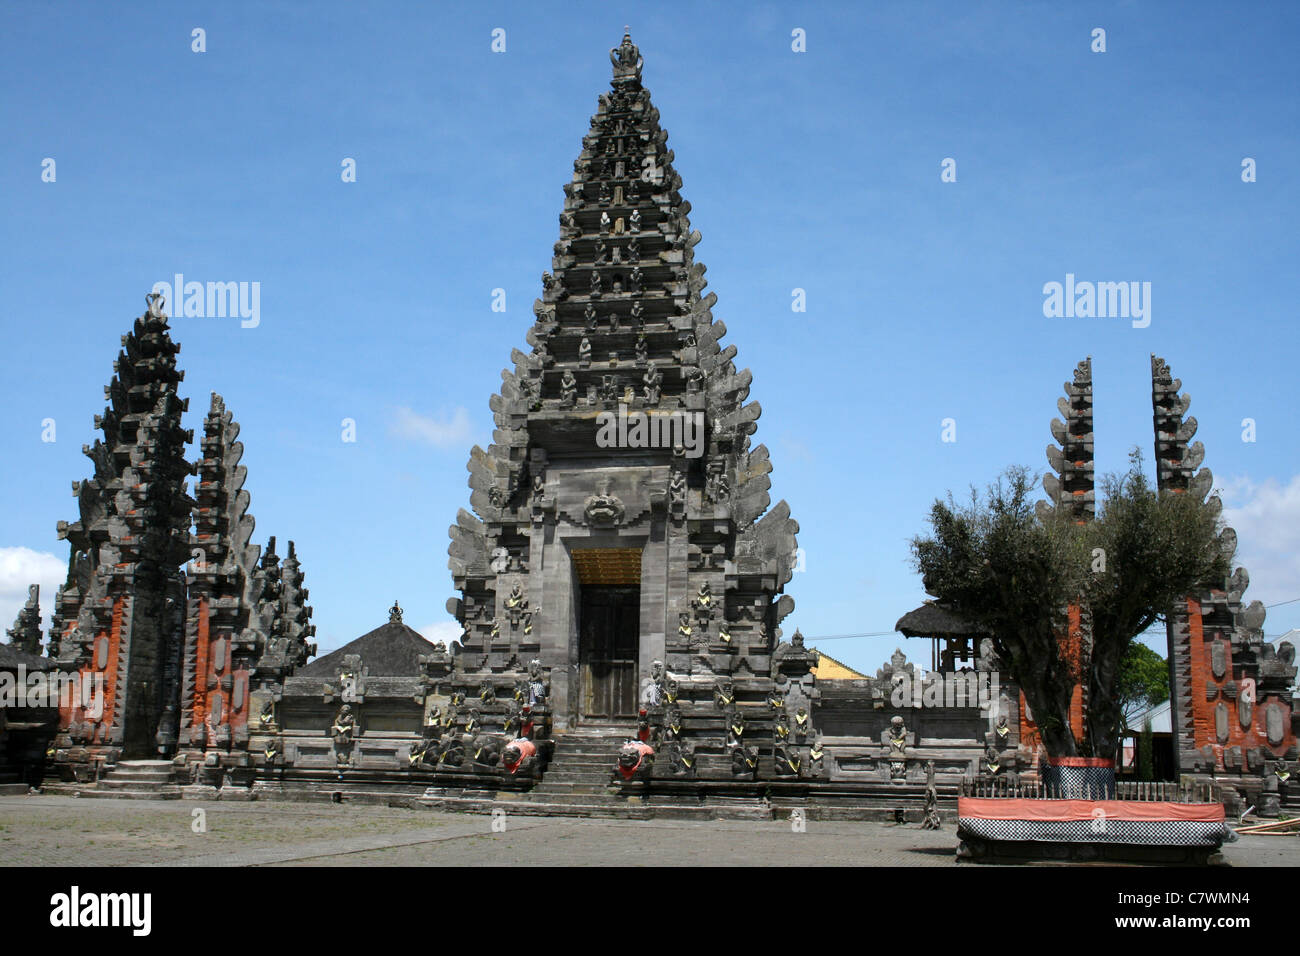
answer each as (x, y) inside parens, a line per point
(802, 722)
(627, 63)
(584, 350)
(344, 726)
(652, 380)
(744, 761)
(932, 820)
(634, 220)
(672, 722)
(636, 758)
(677, 486)
(781, 730)
(568, 388)
(538, 690)
(786, 761)
(681, 756)
(896, 735)
(735, 728)
(815, 757)
(724, 694)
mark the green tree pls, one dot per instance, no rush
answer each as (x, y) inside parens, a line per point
(1014, 572)
(1143, 681)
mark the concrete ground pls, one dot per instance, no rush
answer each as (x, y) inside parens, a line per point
(47, 830)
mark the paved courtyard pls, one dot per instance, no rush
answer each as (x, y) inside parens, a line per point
(37, 831)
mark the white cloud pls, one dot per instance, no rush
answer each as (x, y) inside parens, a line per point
(441, 434)
(446, 631)
(20, 567)
(1266, 518)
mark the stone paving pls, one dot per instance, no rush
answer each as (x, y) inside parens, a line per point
(66, 831)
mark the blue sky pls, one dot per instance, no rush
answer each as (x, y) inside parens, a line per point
(817, 170)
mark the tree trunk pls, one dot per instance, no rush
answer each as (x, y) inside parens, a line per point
(1105, 713)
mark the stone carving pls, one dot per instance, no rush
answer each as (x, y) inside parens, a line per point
(786, 761)
(724, 694)
(652, 380)
(931, 819)
(672, 722)
(744, 761)
(992, 760)
(802, 723)
(895, 738)
(603, 508)
(538, 687)
(343, 730)
(781, 729)
(816, 756)
(519, 754)
(636, 758)
(681, 756)
(677, 487)
(735, 728)
(627, 63)
(717, 487)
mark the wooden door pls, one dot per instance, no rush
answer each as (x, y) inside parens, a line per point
(610, 635)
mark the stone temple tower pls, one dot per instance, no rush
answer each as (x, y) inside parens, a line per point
(621, 531)
(120, 616)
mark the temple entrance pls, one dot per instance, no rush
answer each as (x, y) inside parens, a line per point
(607, 657)
(609, 631)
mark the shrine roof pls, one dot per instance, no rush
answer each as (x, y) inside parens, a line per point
(11, 657)
(932, 619)
(392, 650)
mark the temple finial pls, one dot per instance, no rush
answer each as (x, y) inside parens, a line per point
(627, 61)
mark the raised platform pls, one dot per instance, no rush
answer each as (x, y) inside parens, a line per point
(998, 829)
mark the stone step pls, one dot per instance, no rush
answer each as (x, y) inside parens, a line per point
(564, 770)
(148, 765)
(171, 793)
(139, 773)
(117, 783)
(13, 789)
(550, 786)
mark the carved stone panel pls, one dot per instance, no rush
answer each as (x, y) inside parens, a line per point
(1218, 659)
(1274, 724)
(1221, 722)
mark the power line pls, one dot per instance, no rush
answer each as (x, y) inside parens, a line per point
(845, 637)
(848, 637)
